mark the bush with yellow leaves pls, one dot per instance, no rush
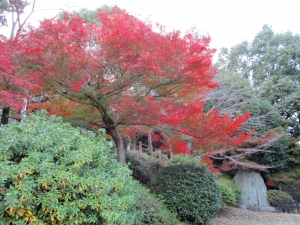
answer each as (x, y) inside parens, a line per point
(52, 174)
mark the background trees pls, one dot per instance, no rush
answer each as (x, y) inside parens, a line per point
(271, 63)
(235, 95)
(262, 77)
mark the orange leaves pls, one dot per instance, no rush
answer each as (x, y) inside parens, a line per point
(58, 106)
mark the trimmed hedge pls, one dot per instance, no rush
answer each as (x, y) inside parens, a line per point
(190, 192)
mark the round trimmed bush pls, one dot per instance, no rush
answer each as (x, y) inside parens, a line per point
(53, 174)
(190, 192)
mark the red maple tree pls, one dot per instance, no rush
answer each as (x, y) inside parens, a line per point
(14, 86)
(133, 76)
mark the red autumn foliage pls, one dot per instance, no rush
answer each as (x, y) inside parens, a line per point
(270, 183)
(14, 86)
(134, 77)
(268, 137)
(180, 147)
(238, 154)
(209, 163)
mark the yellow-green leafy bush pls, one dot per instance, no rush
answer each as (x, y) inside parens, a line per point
(277, 195)
(180, 159)
(230, 193)
(53, 174)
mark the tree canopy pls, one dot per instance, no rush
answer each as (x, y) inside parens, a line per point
(131, 76)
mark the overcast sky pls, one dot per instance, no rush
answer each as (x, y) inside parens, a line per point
(228, 22)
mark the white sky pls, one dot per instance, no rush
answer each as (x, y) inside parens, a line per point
(228, 22)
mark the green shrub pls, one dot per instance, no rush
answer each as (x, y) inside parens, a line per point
(160, 155)
(277, 195)
(140, 169)
(180, 159)
(51, 174)
(144, 167)
(283, 177)
(190, 192)
(152, 211)
(230, 193)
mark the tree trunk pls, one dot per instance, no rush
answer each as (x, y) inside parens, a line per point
(189, 147)
(150, 147)
(119, 144)
(140, 146)
(111, 129)
(134, 145)
(5, 115)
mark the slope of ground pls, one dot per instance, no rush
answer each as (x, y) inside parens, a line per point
(237, 216)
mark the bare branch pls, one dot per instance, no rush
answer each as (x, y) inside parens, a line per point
(24, 22)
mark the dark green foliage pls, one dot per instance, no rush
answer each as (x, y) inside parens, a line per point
(276, 195)
(50, 173)
(152, 211)
(229, 191)
(190, 192)
(293, 153)
(295, 172)
(282, 177)
(144, 167)
(140, 170)
(276, 155)
(264, 116)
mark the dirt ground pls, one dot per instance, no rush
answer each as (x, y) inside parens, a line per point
(237, 216)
